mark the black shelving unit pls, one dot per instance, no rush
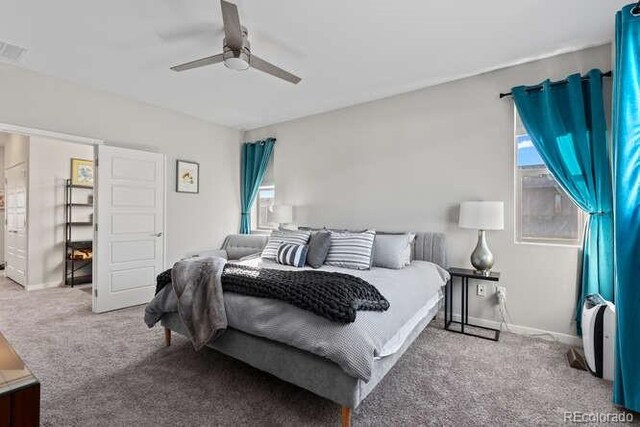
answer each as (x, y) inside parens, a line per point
(77, 271)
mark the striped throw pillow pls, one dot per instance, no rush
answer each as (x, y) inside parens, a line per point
(351, 250)
(292, 254)
(283, 236)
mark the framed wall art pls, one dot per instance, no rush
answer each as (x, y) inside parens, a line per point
(187, 177)
(82, 173)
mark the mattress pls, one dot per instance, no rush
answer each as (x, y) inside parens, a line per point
(397, 341)
(412, 292)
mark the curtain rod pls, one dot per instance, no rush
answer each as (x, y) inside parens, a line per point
(538, 87)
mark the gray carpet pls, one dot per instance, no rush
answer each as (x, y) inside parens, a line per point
(109, 369)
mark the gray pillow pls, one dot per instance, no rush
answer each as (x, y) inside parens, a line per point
(392, 250)
(319, 244)
(307, 228)
(345, 230)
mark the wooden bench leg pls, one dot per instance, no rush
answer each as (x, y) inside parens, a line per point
(167, 337)
(346, 416)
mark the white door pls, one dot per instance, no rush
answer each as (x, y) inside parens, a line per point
(16, 223)
(130, 227)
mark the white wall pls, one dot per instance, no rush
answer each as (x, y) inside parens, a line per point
(49, 167)
(406, 162)
(193, 221)
(16, 150)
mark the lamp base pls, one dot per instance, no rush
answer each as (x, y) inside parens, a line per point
(485, 273)
(481, 257)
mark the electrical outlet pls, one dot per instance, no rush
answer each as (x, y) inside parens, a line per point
(481, 291)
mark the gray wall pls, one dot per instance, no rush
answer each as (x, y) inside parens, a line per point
(193, 221)
(406, 162)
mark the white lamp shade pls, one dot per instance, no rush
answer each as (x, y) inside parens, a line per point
(482, 215)
(281, 214)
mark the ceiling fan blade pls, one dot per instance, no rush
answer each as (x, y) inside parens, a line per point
(215, 59)
(266, 67)
(232, 28)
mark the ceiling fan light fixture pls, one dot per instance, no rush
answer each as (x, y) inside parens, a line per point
(236, 61)
(237, 64)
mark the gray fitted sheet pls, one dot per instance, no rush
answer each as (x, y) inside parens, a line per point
(352, 346)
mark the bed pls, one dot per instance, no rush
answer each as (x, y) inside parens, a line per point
(339, 370)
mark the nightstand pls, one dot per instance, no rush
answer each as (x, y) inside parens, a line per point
(463, 325)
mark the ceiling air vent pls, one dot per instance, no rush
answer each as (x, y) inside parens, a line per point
(11, 52)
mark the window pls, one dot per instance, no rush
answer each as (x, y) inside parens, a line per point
(544, 212)
(264, 200)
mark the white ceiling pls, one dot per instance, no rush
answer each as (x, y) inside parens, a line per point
(346, 51)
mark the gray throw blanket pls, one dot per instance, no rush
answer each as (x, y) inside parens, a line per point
(197, 287)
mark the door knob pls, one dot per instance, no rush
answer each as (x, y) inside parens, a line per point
(157, 234)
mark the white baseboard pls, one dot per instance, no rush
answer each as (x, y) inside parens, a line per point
(524, 330)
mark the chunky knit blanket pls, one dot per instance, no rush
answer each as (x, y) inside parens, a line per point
(334, 296)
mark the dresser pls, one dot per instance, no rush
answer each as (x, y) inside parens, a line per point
(19, 390)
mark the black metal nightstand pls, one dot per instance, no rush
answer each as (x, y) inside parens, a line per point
(465, 274)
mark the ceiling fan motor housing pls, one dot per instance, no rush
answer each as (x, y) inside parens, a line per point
(238, 59)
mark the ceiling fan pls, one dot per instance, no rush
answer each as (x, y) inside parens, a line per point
(236, 53)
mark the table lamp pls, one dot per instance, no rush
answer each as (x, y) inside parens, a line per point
(281, 215)
(482, 216)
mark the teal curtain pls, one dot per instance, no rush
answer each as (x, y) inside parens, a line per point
(626, 211)
(255, 159)
(567, 125)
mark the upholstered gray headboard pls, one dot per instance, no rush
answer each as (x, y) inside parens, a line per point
(426, 246)
(430, 247)
(242, 245)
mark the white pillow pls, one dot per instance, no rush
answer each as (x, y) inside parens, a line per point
(406, 255)
(392, 250)
(351, 250)
(283, 236)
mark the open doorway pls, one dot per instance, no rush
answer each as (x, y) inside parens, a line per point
(79, 213)
(47, 201)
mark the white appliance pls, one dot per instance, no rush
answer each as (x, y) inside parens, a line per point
(599, 335)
